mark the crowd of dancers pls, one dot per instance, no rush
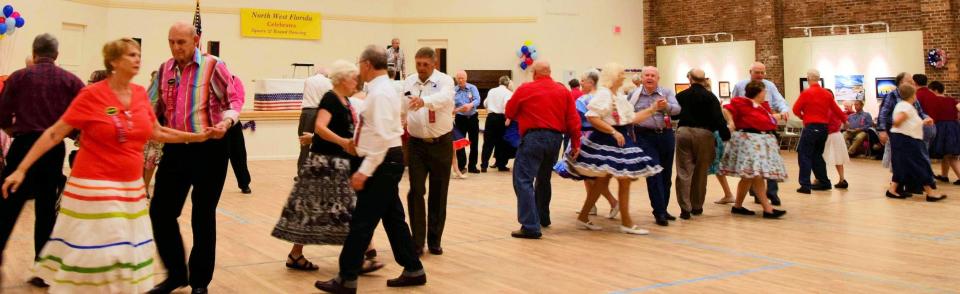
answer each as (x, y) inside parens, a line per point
(362, 127)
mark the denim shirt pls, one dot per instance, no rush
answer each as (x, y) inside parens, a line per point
(885, 120)
(470, 94)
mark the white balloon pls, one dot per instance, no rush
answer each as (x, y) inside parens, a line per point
(11, 25)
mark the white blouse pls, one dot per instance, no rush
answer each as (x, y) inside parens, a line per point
(605, 104)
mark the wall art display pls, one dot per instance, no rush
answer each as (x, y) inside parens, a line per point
(724, 89)
(804, 84)
(678, 87)
(849, 87)
(885, 86)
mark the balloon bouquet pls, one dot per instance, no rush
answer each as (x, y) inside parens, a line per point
(10, 21)
(527, 54)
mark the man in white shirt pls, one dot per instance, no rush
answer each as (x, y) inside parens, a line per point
(430, 148)
(396, 67)
(377, 182)
(496, 126)
(313, 90)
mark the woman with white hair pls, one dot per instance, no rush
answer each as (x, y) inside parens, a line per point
(588, 84)
(611, 151)
(319, 208)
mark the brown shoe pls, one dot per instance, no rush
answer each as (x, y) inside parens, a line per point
(332, 286)
(405, 281)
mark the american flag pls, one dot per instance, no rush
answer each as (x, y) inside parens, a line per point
(196, 21)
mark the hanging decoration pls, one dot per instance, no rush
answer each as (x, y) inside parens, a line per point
(937, 58)
(527, 54)
(10, 21)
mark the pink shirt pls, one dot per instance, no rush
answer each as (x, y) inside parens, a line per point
(197, 96)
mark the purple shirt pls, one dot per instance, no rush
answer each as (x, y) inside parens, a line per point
(34, 98)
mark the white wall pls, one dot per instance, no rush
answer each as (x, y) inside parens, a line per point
(729, 62)
(872, 55)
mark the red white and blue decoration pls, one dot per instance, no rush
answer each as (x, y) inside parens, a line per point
(937, 58)
(10, 21)
(527, 54)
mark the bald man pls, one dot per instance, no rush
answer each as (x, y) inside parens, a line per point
(657, 133)
(699, 117)
(193, 92)
(467, 100)
(758, 72)
(544, 111)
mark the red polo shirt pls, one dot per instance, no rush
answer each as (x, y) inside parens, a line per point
(544, 104)
(816, 106)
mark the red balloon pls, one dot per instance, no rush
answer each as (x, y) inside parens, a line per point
(529, 61)
(15, 14)
(3, 19)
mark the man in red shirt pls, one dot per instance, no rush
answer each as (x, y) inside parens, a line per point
(544, 111)
(815, 107)
(927, 100)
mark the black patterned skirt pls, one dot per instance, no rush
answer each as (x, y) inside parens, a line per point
(321, 204)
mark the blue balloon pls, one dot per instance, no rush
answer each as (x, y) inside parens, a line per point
(3, 28)
(20, 22)
(533, 49)
(7, 10)
(523, 66)
(525, 49)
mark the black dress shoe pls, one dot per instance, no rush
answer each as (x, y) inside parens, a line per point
(804, 190)
(436, 250)
(38, 282)
(167, 286)
(842, 185)
(775, 214)
(956, 183)
(895, 196)
(775, 201)
(742, 211)
(418, 251)
(503, 169)
(332, 286)
(474, 171)
(199, 291)
(685, 215)
(697, 211)
(662, 221)
(935, 199)
(670, 217)
(524, 234)
(405, 281)
(818, 187)
(245, 190)
(942, 179)
(483, 169)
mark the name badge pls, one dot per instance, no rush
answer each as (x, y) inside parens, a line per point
(432, 116)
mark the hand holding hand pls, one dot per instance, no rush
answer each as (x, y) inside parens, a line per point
(574, 153)
(928, 122)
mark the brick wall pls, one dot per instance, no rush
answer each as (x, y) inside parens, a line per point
(768, 22)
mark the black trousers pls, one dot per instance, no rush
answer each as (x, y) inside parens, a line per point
(203, 167)
(469, 126)
(431, 160)
(380, 199)
(493, 142)
(42, 182)
(308, 121)
(238, 155)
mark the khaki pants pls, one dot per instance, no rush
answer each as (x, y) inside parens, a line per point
(695, 152)
(857, 137)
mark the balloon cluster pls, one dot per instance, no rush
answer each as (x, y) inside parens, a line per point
(10, 21)
(527, 54)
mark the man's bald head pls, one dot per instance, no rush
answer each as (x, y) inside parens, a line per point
(758, 71)
(461, 78)
(697, 76)
(651, 77)
(185, 28)
(540, 68)
(183, 39)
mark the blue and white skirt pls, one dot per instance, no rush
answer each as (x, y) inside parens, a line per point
(600, 156)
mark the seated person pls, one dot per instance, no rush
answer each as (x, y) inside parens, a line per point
(858, 124)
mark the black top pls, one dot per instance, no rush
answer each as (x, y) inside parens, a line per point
(699, 108)
(341, 123)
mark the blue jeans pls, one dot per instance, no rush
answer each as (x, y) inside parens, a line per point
(662, 147)
(532, 169)
(810, 155)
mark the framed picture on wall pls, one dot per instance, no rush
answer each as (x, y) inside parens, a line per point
(804, 84)
(885, 86)
(678, 87)
(724, 89)
(849, 87)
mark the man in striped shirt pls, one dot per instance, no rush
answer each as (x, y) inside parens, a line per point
(193, 92)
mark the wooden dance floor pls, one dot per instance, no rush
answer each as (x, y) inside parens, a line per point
(854, 241)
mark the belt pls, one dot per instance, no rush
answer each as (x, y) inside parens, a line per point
(642, 130)
(543, 130)
(755, 131)
(432, 140)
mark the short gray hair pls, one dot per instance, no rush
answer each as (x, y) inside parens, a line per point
(342, 70)
(46, 45)
(814, 73)
(505, 81)
(376, 56)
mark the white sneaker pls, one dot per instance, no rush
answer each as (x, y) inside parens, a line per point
(635, 230)
(588, 226)
(614, 211)
(460, 176)
(594, 210)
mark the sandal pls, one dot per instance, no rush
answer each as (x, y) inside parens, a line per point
(300, 263)
(370, 266)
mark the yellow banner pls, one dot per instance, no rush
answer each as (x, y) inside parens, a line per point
(279, 24)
